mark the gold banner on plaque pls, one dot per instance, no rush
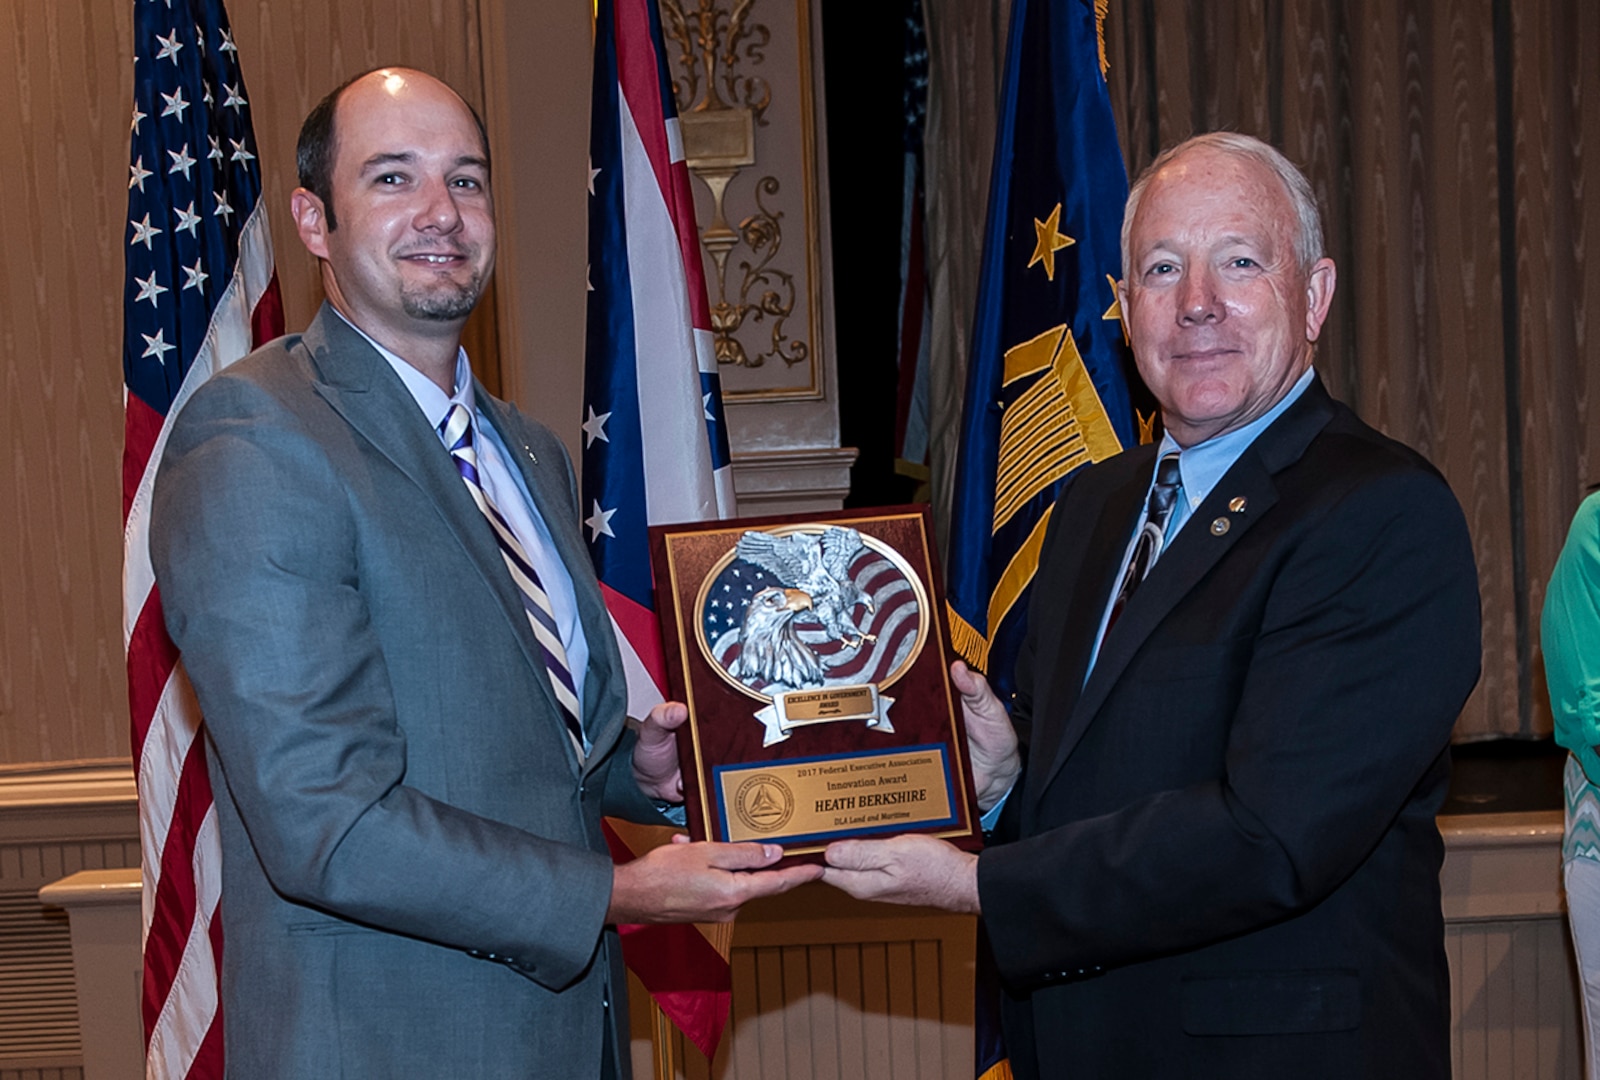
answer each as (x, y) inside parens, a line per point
(792, 709)
(781, 800)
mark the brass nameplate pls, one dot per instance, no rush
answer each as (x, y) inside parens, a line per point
(842, 795)
(822, 706)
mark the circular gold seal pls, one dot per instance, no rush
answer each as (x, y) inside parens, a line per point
(764, 803)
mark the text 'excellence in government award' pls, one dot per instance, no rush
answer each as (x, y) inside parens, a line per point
(812, 653)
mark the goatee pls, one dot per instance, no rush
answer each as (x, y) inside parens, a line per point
(444, 302)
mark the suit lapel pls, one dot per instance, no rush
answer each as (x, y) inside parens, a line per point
(1193, 553)
(360, 385)
(1070, 648)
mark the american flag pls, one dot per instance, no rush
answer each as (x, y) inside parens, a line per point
(200, 292)
(648, 344)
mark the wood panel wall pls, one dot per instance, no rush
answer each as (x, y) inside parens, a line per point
(1450, 142)
(1447, 143)
(66, 70)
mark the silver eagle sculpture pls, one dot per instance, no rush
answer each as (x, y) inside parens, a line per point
(818, 565)
(769, 646)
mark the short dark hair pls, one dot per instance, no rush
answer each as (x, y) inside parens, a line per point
(313, 154)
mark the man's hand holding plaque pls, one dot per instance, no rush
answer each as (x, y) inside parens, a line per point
(812, 655)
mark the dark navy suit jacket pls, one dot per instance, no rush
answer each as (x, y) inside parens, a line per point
(1222, 859)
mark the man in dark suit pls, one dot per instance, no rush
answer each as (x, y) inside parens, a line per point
(1247, 646)
(413, 698)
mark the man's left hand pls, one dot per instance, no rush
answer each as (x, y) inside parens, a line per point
(910, 869)
(655, 754)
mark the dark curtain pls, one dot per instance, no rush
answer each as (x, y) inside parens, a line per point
(1447, 143)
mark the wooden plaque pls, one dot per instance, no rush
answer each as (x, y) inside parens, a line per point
(813, 654)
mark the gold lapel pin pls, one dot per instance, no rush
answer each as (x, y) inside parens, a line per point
(1237, 504)
(1219, 526)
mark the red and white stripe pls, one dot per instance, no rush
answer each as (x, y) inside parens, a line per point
(669, 291)
(182, 864)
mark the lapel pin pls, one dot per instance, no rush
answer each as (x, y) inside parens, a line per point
(1237, 504)
(531, 455)
(1219, 526)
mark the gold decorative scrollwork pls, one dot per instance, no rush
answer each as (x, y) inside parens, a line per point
(763, 235)
(712, 41)
(720, 104)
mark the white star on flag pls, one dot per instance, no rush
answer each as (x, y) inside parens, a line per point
(169, 47)
(234, 100)
(593, 172)
(181, 161)
(197, 276)
(705, 406)
(239, 152)
(137, 116)
(175, 104)
(137, 173)
(188, 220)
(216, 148)
(599, 523)
(207, 97)
(156, 347)
(200, 38)
(227, 42)
(149, 290)
(223, 210)
(595, 428)
(143, 231)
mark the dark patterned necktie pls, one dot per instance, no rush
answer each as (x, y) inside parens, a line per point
(456, 431)
(1152, 534)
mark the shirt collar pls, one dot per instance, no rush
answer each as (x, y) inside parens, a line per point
(1203, 464)
(434, 402)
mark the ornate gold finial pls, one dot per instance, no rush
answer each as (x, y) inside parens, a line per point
(712, 51)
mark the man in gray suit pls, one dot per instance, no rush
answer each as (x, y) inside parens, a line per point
(413, 697)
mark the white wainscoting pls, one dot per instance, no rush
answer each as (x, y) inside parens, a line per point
(52, 823)
(1514, 989)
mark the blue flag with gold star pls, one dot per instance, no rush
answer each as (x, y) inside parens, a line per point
(1046, 391)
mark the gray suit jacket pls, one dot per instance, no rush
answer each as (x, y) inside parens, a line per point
(414, 876)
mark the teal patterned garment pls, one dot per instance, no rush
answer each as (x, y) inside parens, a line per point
(1569, 632)
(1581, 839)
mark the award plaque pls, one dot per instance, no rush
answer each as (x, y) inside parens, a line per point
(812, 653)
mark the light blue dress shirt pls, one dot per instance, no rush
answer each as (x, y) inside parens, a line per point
(1200, 468)
(505, 488)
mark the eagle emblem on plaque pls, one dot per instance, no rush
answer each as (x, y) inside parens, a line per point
(813, 620)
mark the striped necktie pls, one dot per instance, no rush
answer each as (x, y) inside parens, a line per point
(456, 431)
(1152, 533)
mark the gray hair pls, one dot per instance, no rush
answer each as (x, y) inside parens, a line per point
(1308, 234)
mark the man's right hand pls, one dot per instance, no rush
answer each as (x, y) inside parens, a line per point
(991, 740)
(699, 882)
